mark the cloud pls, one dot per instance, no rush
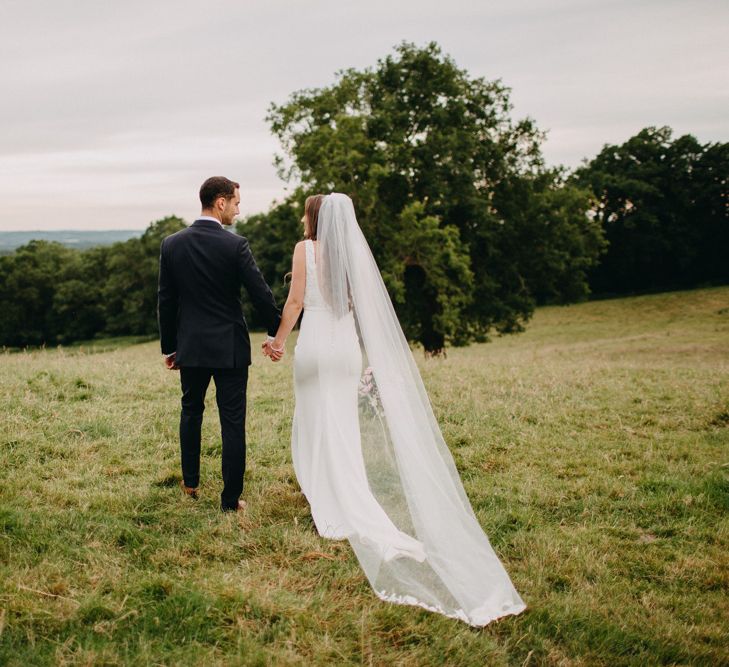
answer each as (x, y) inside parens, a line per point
(115, 112)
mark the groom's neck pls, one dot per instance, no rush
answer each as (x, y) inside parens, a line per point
(210, 213)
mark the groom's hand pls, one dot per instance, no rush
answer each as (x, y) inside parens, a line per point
(170, 362)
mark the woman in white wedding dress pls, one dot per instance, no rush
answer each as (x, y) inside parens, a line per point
(366, 448)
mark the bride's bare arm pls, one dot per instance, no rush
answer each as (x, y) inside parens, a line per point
(295, 300)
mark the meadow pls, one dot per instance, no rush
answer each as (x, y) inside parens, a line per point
(593, 447)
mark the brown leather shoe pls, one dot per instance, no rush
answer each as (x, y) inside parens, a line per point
(240, 508)
(189, 490)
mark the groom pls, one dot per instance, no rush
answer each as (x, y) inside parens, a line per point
(203, 332)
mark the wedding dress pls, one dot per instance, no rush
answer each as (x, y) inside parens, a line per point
(367, 450)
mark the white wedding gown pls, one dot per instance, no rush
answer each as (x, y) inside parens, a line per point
(325, 443)
(370, 456)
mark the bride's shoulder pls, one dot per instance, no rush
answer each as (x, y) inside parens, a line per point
(300, 251)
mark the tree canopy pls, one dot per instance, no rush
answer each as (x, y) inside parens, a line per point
(663, 204)
(469, 228)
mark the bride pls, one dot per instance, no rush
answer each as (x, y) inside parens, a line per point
(368, 453)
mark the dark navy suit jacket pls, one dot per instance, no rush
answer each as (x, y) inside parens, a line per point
(199, 311)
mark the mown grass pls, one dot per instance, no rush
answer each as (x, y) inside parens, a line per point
(593, 448)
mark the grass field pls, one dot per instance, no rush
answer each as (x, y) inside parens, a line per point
(593, 448)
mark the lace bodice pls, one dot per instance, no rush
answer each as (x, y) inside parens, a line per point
(313, 299)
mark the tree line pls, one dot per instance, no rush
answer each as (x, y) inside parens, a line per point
(470, 228)
(52, 294)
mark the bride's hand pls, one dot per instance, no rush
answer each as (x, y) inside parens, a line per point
(271, 353)
(276, 350)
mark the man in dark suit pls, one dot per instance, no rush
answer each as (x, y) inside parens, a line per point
(203, 332)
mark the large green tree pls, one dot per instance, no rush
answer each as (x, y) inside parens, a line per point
(663, 203)
(467, 225)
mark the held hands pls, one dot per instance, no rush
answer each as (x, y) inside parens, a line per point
(272, 352)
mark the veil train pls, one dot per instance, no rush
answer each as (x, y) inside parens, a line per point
(409, 468)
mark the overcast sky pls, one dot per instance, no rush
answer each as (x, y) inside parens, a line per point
(114, 112)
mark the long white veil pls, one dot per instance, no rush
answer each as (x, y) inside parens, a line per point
(409, 468)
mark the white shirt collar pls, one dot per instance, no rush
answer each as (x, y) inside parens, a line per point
(207, 217)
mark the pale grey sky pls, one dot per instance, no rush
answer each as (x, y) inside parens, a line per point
(113, 113)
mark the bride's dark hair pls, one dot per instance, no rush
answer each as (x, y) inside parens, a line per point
(311, 211)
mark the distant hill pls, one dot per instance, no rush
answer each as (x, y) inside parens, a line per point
(9, 241)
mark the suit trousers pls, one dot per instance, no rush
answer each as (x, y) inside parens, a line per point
(230, 386)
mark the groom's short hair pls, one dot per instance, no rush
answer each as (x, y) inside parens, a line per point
(214, 187)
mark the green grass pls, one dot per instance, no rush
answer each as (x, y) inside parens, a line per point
(593, 448)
